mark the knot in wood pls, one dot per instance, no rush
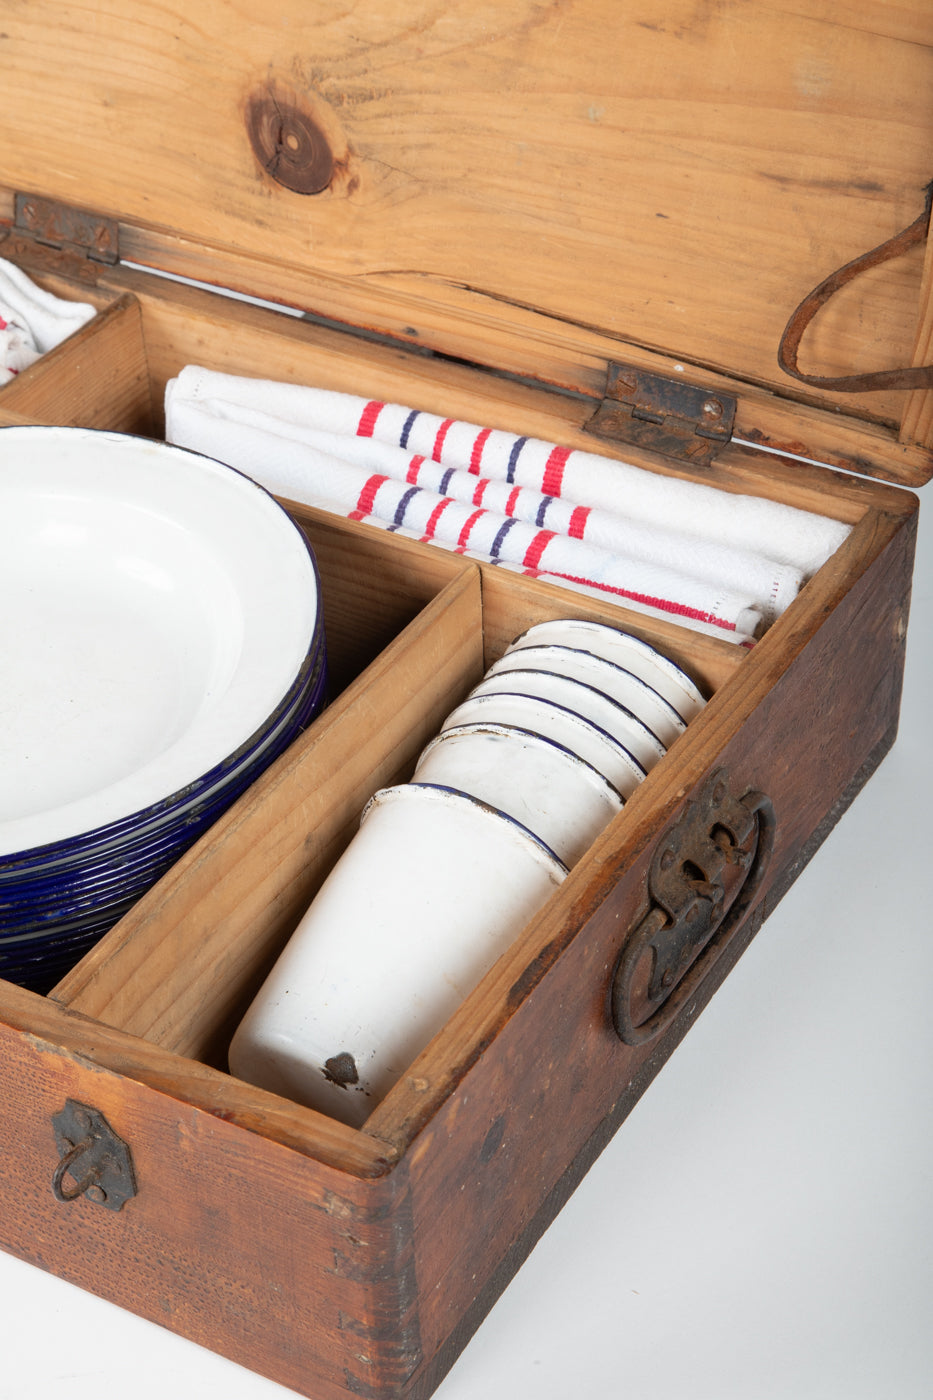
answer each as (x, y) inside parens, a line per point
(289, 145)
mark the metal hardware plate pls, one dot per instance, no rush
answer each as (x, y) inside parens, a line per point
(93, 1161)
(702, 880)
(671, 416)
(60, 226)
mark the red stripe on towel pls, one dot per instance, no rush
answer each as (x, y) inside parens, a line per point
(554, 471)
(480, 491)
(435, 516)
(368, 418)
(364, 505)
(414, 467)
(465, 532)
(513, 497)
(663, 604)
(537, 547)
(476, 456)
(577, 523)
(439, 440)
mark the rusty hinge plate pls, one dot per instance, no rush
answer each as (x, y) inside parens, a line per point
(60, 226)
(667, 415)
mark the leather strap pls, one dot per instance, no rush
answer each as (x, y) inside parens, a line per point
(915, 377)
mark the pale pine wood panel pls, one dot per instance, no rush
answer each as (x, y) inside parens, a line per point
(185, 324)
(678, 181)
(521, 341)
(98, 378)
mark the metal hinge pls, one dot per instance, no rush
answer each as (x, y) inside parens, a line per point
(666, 415)
(60, 226)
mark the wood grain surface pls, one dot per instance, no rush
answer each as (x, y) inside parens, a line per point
(525, 187)
(677, 181)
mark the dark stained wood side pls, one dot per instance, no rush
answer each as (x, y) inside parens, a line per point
(485, 1163)
(296, 1270)
(433, 1373)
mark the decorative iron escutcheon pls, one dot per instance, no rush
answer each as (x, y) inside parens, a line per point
(98, 1163)
(702, 881)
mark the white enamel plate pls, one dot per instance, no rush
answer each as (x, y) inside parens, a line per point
(156, 608)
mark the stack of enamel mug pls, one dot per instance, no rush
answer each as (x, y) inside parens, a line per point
(447, 869)
(161, 642)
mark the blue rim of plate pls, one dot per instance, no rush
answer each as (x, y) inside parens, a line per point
(304, 698)
(314, 655)
(73, 887)
(38, 908)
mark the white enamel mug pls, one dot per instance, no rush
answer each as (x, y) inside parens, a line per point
(562, 799)
(635, 696)
(585, 700)
(552, 721)
(430, 891)
(622, 649)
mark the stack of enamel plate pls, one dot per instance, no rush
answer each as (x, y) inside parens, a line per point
(161, 643)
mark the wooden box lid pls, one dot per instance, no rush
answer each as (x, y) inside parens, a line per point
(538, 187)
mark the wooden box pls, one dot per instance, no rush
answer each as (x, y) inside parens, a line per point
(478, 211)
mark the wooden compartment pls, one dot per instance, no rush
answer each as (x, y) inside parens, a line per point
(344, 1261)
(405, 1229)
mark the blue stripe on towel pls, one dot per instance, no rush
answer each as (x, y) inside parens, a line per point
(399, 518)
(503, 530)
(406, 430)
(513, 458)
(542, 511)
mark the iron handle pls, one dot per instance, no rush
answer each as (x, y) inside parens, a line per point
(688, 923)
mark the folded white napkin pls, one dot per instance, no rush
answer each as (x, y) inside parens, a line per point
(770, 587)
(707, 628)
(32, 320)
(252, 443)
(776, 532)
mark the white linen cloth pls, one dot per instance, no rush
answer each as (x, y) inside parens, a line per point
(17, 347)
(250, 442)
(32, 320)
(709, 629)
(770, 587)
(708, 557)
(777, 532)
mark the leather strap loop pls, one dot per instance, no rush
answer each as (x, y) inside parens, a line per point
(915, 377)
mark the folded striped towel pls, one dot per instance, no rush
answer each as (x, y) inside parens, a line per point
(694, 624)
(778, 533)
(32, 320)
(302, 472)
(769, 587)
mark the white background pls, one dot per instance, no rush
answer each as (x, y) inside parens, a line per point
(760, 1226)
